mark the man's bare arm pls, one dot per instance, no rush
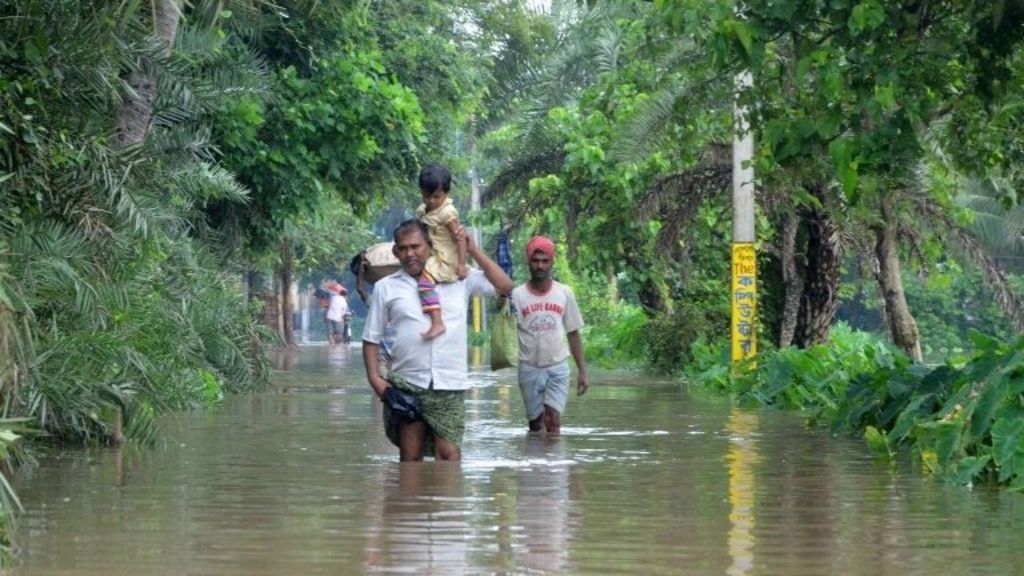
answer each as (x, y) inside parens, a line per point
(576, 349)
(495, 275)
(371, 358)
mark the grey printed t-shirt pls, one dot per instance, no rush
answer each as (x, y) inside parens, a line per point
(543, 321)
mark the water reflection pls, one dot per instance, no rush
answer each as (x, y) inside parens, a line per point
(431, 518)
(285, 358)
(742, 459)
(420, 524)
(543, 505)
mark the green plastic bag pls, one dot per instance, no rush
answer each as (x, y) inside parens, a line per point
(504, 340)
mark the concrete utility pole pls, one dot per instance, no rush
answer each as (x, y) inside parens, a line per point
(744, 255)
(479, 321)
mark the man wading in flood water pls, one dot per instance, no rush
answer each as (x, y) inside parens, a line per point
(547, 316)
(423, 393)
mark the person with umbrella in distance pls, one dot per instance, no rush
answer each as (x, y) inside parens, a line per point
(337, 312)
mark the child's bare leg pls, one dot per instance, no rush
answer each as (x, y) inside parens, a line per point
(437, 326)
(431, 305)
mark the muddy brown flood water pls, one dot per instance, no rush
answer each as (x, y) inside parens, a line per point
(646, 479)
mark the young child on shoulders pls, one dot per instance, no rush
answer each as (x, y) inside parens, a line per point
(447, 262)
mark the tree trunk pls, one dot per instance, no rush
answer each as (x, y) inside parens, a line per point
(271, 310)
(285, 280)
(572, 214)
(257, 283)
(902, 325)
(613, 284)
(136, 114)
(820, 297)
(651, 297)
(791, 279)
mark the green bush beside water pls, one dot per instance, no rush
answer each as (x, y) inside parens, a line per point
(963, 421)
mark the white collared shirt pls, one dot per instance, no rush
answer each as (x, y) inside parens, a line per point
(442, 360)
(338, 308)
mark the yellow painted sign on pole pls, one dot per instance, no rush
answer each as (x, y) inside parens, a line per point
(744, 301)
(477, 358)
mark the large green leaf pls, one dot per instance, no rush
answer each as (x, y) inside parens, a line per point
(878, 443)
(843, 152)
(967, 468)
(992, 394)
(945, 435)
(1007, 440)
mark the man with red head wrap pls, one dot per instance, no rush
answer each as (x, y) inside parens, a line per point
(549, 323)
(542, 243)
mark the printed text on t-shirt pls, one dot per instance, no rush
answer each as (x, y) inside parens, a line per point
(538, 306)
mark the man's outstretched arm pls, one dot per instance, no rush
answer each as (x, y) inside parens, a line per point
(495, 275)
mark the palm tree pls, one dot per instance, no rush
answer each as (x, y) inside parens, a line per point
(993, 241)
(136, 114)
(93, 228)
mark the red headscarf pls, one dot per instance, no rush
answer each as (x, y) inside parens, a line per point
(542, 243)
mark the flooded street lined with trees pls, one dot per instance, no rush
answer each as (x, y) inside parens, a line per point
(195, 194)
(648, 479)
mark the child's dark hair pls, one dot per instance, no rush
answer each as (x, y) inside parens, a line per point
(433, 176)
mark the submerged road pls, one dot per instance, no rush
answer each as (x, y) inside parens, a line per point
(646, 479)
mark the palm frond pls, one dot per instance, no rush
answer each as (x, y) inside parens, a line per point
(677, 197)
(589, 45)
(648, 129)
(183, 142)
(996, 225)
(974, 252)
(207, 182)
(607, 48)
(521, 170)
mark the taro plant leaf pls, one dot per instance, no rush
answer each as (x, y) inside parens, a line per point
(946, 436)
(1017, 483)
(955, 403)
(982, 367)
(1006, 443)
(969, 467)
(929, 460)
(981, 417)
(878, 444)
(778, 377)
(900, 398)
(907, 419)
(983, 342)
(938, 380)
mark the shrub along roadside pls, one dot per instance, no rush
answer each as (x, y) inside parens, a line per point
(964, 421)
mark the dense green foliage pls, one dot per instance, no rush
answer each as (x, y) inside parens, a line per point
(871, 119)
(962, 421)
(158, 156)
(615, 143)
(153, 151)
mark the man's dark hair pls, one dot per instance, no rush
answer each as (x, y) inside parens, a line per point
(412, 225)
(433, 176)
